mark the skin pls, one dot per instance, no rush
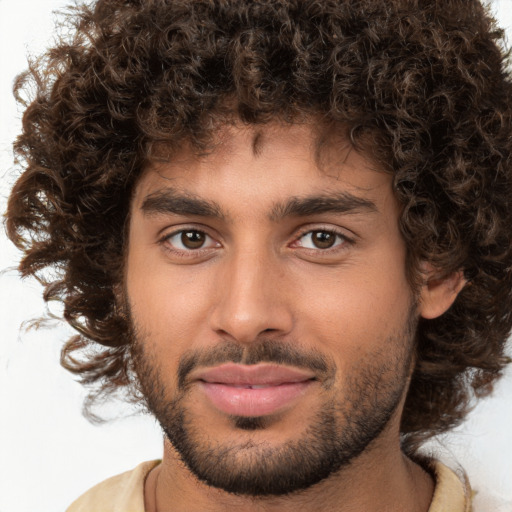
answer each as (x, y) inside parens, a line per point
(346, 302)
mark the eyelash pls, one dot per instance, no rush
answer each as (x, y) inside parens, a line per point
(341, 236)
(339, 245)
(193, 253)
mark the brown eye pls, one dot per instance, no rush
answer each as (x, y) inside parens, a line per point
(193, 239)
(323, 239)
(190, 240)
(190, 243)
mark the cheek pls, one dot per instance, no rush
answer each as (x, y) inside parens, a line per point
(356, 307)
(167, 303)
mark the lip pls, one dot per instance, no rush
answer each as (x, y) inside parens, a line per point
(255, 390)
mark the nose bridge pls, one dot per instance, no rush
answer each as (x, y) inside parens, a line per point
(250, 301)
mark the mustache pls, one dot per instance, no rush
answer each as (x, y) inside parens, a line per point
(264, 351)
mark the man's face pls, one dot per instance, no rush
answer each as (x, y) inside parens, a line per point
(272, 319)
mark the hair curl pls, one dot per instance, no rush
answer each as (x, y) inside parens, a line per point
(422, 86)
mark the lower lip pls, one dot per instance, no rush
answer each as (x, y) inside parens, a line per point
(253, 402)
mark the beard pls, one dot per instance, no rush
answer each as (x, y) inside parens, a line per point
(331, 438)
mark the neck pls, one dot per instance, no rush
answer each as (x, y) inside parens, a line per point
(379, 480)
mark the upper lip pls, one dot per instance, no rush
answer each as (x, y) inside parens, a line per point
(232, 374)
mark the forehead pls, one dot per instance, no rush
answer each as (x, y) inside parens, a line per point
(271, 163)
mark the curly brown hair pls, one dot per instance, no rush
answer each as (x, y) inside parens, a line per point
(422, 86)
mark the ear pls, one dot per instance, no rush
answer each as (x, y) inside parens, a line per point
(438, 294)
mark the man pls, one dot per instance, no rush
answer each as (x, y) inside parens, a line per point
(286, 227)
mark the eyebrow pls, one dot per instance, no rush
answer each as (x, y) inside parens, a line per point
(170, 201)
(341, 202)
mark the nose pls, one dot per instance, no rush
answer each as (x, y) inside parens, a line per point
(251, 298)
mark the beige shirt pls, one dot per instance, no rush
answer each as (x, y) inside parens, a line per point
(125, 492)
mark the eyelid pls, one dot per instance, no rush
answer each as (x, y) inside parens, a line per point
(165, 238)
(343, 232)
(339, 232)
(179, 228)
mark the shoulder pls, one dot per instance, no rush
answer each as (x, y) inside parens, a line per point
(121, 493)
(452, 491)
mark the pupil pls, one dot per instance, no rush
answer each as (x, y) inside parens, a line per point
(323, 239)
(192, 239)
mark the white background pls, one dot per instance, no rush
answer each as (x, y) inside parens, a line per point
(49, 453)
